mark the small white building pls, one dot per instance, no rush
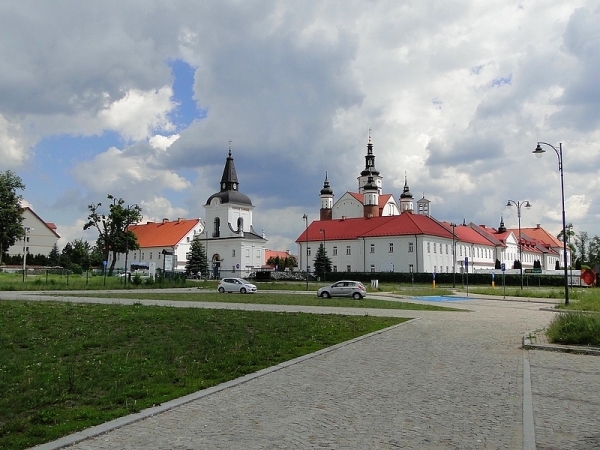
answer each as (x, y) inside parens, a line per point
(40, 236)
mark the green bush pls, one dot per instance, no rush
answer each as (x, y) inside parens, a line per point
(575, 328)
(137, 279)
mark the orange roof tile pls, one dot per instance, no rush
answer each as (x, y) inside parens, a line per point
(163, 234)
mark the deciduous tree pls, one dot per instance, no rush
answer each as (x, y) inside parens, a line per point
(11, 211)
(113, 235)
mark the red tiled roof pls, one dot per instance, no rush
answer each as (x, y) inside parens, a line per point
(163, 234)
(466, 233)
(354, 228)
(541, 235)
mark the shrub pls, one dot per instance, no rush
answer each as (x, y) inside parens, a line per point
(575, 328)
(137, 279)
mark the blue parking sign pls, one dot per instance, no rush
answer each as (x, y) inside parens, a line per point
(503, 267)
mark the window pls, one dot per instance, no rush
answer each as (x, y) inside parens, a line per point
(334, 268)
(446, 249)
(460, 248)
(143, 255)
(159, 255)
(188, 239)
(348, 251)
(240, 224)
(308, 251)
(217, 227)
(391, 247)
(435, 247)
(150, 255)
(348, 268)
(372, 248)
(434, 269)
(410, 247)
(372, 267)
(428, 248)
(334, 251)
(447, 269)
(233, 252)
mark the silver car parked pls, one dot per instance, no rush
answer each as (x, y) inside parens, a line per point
(344, 288)
(236, 285)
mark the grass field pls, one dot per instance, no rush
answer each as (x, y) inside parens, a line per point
(267, 298)
(65, 367)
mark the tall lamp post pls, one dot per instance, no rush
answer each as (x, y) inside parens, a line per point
(518, 204)
(322, 230)
(26, 231)
(453, 225)
(305, 217)
(538, 152)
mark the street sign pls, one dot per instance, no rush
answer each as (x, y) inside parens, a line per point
(533, 271)
(466, 261)
(503, 266)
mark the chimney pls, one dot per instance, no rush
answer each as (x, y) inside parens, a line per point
(165, 220)
(180, 219)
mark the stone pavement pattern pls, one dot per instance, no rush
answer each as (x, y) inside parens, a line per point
(444, 381)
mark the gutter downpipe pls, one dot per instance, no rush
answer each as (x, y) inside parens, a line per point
(416, 254)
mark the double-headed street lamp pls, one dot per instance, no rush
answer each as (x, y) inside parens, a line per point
(539, 151)
(518, 204)
(453, 225)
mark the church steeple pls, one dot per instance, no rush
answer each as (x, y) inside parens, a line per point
(370, 170)
(229, 180)
(501, 228)
(406, 198)
(326, 200)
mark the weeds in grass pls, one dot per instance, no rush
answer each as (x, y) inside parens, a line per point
(575, 328)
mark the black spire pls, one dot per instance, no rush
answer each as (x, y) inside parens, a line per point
(406, 192)
(501, 228)
(229, 192)
(369, 160)
(326, 188)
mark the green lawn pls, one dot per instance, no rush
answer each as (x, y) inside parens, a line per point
(65, 367)
(270, 299)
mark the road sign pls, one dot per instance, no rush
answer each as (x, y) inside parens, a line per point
(533, 271)
(503, 266)
(466, 261)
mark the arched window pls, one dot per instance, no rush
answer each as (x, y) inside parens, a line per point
(240, 224)
(217, 227)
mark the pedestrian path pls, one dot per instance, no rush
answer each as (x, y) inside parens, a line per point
(446, 380)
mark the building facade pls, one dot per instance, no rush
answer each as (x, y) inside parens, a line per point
(40, 236)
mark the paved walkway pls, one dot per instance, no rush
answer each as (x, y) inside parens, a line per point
(442, 381)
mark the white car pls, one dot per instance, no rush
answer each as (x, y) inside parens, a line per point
(344, 288)
(236, 285)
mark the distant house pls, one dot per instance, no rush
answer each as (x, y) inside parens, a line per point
(274, 254)
(157, 239)
(40, 236)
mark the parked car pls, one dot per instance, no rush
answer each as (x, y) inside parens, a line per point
(236, 285)
(344, 288)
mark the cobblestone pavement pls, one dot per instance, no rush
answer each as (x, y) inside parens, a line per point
(443, 381)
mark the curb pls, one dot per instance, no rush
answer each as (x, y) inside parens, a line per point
(529, 343)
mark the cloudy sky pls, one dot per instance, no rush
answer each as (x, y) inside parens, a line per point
(140, 99)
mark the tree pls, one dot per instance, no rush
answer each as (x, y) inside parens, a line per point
(54, 256)
(113, 234)
(594, 251)
(81, 253)
(11, 212)
(196, 261)
(322, 263)
(581, 243)
(282, 263)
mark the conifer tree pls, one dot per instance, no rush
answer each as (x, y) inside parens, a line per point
(322, 263)
(196, 261)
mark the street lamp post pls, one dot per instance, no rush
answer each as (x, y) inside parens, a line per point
(518, 204)
(322, 230)
(539, 151)
(453, 225)
(305, 217)
(26, 230)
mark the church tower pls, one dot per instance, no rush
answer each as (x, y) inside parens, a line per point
(370, 171)
(326, 200)
(232, 245)
(406, 198)
(371, 199)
